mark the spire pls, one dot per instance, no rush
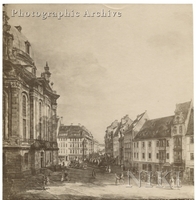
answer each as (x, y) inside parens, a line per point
(46, 74)
(46, 67)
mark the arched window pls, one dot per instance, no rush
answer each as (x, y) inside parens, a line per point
(5, 115)
(40, 120)
(27, 47)
(24, 115)
(48, 123)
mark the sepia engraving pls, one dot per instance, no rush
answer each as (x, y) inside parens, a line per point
(97, 101)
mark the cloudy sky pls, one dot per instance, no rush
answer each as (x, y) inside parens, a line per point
(107, 67)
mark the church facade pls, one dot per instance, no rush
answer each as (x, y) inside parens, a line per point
(29, 108)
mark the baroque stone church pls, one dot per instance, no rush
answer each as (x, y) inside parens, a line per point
(29, 108)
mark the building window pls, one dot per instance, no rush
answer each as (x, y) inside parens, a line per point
(167, 143)
(167, 155)
(180, 129)
(191, 139)
(149, 144)
(48, 124)
(149, 155)
(137, 144)
(50, 157)
(5, 115)
(143, 144)
(24, 106)
(27, 47)
(143, 155)
(177, 156)
(175, 130)
(177, 141)
(24, 115)
(40, 119)
(192, 156)
(157, 155)
(157, 144)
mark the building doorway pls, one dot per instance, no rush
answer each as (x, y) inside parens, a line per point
(149, 167)
(42, 159)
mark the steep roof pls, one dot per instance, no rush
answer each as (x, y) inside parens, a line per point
(190, 129)
(184, 108)
(72, 131)
(155, 128)
(138, 118)
(117, 130)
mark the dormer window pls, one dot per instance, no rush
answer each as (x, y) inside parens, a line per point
(27, 47)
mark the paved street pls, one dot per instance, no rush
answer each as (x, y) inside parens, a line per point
(83, 186)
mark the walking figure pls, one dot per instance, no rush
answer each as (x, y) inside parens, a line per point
(44, 182)
(66, 176)
(47, 180)
(172, 182)
(109, 169)
(63, 175)
(93, 173)
(119, 177)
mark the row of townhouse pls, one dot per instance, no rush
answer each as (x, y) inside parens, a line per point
(75, 142)
(119, 136)
(165, 143)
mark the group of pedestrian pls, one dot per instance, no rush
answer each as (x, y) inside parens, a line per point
(108, 169)
(119, 178)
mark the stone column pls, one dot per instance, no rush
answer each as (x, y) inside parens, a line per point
(15, 105)
(32, 116)
(54, 123)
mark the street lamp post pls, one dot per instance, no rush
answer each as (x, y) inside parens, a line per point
(84, 142)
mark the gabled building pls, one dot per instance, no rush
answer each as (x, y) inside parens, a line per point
(29, 108)
(75, 142)
(189, 162)
(125, 125)
(179, 130)
(116, 143)
(163, 144)
(109, 138)
(129, 136)
(153, 144)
